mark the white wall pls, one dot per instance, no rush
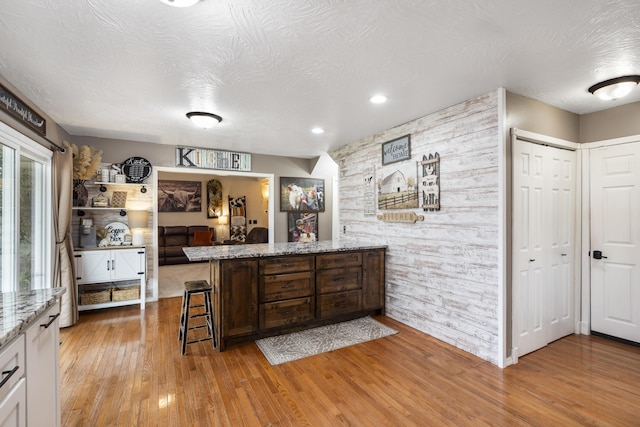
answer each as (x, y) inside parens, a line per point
(442, 274)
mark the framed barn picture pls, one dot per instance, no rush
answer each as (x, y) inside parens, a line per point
(398, 186)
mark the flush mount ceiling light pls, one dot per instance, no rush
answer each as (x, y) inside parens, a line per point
(180, 3)
(204, 120)
(612, 89)
(317, 131)
(378, 99)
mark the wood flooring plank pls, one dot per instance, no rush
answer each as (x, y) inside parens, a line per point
(123, 367)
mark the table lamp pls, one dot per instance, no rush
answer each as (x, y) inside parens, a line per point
(137, 223)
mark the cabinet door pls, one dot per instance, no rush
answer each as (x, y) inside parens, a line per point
(373, 279)
(93, 266)
(43, 360)
(13, 407)
(126, 264)
(239, 280)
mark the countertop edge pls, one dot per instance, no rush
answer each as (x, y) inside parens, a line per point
(41, 298)
(263, 250)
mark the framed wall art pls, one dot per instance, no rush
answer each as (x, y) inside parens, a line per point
(214, 198)
(397, 186)
(301, 194)
(179, 196)
(396, 150)
(303, 227)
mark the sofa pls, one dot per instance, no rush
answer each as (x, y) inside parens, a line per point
(171, 240)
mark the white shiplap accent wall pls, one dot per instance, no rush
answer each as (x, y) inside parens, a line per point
(441, 274)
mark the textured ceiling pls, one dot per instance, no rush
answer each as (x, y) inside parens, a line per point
(273, 69)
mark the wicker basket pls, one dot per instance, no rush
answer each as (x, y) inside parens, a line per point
(125, 293)
(95, 296)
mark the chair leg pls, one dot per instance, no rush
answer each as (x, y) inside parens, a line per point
(182, 314)
(210, 324)
(186, 322)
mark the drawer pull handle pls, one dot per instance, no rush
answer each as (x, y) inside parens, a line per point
(287, 286)
(286, 313)
(51, 320)
(8, 374)
(340, 304)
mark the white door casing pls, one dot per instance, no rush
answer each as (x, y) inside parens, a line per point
(615, 232)
(544, 180)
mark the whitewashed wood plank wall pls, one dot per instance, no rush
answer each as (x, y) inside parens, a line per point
(441, 274)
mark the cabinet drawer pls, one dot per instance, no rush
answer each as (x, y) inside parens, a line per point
(286, 286)
(338, 303)
(341, 259)
(338, 279)
(286, 312)
(286, 265)
(12, 361)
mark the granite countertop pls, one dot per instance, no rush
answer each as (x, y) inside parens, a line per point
(203, 253)
(19, 309)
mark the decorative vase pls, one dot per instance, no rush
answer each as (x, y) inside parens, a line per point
(80, 193)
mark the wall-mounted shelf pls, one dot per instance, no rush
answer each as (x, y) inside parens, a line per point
(103, 185)
(81, 210)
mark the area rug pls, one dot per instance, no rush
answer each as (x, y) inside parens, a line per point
(297, 345)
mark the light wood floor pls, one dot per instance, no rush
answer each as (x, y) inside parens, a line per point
(121, 367)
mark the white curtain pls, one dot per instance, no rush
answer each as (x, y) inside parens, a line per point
(64, 274)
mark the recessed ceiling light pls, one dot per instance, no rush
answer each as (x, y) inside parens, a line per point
(204, 120)
(180, 3)
(613, 89)
(378, 99)
(317, 131)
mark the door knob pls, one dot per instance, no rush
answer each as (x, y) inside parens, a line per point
(598, 255)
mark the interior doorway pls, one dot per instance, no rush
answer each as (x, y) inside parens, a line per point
(261, 205)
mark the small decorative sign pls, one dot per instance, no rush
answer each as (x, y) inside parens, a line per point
(396, 150)
(117, 232)
(136, 169)
(409, 217)
(369, 191)
(14, 106)
(430, 182)
(213, 159)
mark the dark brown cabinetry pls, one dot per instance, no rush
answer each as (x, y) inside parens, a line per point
(266, 296)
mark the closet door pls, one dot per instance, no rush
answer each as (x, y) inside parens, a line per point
(529, 254)
(562, 185)
(543, 244)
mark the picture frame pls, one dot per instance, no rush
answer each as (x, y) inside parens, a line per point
(301, 194)
(397, 186)
(396, 150)
(179, 196)
(302, 227)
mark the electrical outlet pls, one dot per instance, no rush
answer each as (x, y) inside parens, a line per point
(344, 229)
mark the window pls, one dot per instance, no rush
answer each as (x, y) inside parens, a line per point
(25, 212)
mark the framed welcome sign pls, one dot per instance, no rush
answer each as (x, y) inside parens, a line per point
(396, 150)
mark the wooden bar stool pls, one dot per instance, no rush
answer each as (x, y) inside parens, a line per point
(191, 288)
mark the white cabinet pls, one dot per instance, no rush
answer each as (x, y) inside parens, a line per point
(43, 361)
(101, 275)
(30, 381)
(12, 385)
(13, 407)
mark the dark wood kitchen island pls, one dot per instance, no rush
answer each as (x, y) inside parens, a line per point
(262, 290)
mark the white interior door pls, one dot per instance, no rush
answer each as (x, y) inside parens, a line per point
(528, 247)
(562, 184)
(543, 244)
(615, 240)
